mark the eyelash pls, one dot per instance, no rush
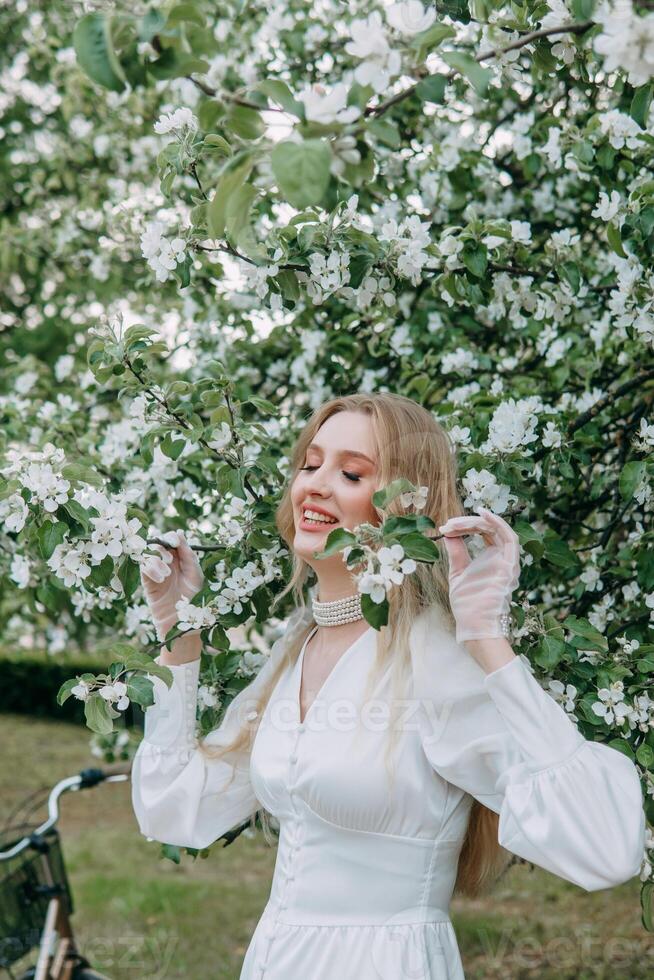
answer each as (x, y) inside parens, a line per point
(351, 476)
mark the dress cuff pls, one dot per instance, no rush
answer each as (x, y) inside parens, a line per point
(539, 725)
(170, 721)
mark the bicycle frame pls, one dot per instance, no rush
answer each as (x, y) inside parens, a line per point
(58, 953)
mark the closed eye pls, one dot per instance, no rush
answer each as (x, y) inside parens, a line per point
(350, 476)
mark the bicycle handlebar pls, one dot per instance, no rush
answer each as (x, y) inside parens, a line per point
(85, 779)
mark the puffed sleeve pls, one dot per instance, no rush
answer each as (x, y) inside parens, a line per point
(178, 795)
(569, 805)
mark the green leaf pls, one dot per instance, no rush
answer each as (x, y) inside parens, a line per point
(130, 576)
(549, 652)
(288, 284)
(185, 12)
(95, 51)
(245, 122)
(66, 689)
(336, 541)
(645, 755)
(81, 474)
(382, 498)
(386, 132)
(278, 91)
(133, 662)
(432, 37)
(96, 712)
(647, 905)
(622, 745)
(630, 476)
(375, 613)
(432, 88)
(77, 512)
(605, 156)
(141, 690)
(230, 180)
(570, 272)
(217, 144)
(615, 240)
(238, 210)
(474, 256)
(171, 851)
(51, 533)
(172, 447)
(582, 9)
(302, 170)
(558, 552)
(103, 573)
(417, 546)
(263, 405)
(592, 637)
(640, 103)
(478, 77)
(49, 593)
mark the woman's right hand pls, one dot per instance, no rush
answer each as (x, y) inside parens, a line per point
(168, 577)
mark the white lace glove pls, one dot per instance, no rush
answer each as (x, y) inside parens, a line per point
(481, 588)
(167, 579)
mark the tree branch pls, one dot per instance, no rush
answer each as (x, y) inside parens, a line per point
(522, 42)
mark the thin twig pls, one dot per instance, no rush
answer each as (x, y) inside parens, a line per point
(484, 56)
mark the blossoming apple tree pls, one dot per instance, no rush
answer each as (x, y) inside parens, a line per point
(218, 216)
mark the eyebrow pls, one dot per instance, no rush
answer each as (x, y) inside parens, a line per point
(343, 452)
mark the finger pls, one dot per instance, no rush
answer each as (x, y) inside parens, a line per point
(155, 569)
(467, 525)
(163, 553)
(171, 538)
(188, 559)
(458, 555)
(506, 536)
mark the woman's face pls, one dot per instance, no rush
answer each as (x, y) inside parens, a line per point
(337, 481)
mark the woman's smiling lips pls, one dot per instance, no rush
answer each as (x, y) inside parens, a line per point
(306, 526)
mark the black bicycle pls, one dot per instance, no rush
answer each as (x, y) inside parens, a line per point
(35, 899)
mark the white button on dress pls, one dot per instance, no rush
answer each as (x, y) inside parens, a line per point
(364, 871)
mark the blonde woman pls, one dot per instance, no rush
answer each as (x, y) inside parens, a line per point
(401, 765)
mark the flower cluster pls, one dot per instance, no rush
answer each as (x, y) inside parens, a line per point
(163, 254)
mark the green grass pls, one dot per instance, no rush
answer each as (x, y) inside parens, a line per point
(139, 917)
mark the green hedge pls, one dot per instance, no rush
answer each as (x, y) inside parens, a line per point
(29, 686)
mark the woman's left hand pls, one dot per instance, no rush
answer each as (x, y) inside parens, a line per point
(481, 587)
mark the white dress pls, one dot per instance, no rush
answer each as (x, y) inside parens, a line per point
(363, 878)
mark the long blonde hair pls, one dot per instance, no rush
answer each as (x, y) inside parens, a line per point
(409, 443)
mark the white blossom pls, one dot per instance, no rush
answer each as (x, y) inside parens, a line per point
(626, 40)
(190, 617)
(620, 128)
(13, 513)
(177, 121)
(512, 426)
(327, 106)
(565, 695)
(607, 207)
(410, 17)
(611, 706)
(379, 62)
(19, 571)
(82, 691)
(415, 498)
(521, 232)
(115, 693)
(162, 254)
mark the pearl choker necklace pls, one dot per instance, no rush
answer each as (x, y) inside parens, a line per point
(337, 612)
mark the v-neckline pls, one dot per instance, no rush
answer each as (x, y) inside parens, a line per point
(298, 685)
